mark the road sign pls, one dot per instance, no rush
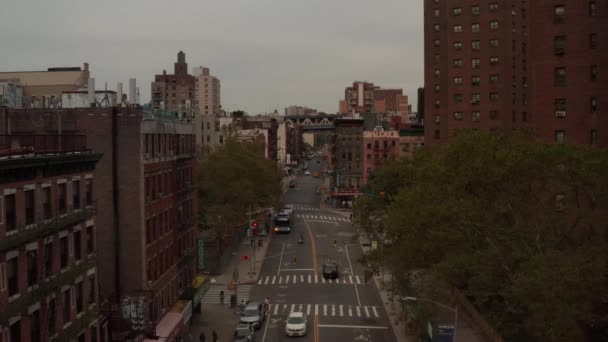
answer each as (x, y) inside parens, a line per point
(445, 333)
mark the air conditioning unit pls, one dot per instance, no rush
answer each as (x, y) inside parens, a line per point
(560, 113)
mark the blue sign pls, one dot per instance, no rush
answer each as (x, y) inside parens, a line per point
(445, 333)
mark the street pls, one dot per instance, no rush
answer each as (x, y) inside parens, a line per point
(344, 309)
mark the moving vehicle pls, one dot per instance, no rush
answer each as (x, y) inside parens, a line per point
(330, 270)
(292, 184)
(316, 174)
(243, 333)
(287, 208)
(307, 173)
(282, 224)
(295, 324)
(253, 314)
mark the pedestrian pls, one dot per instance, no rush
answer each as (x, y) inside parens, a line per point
(214, 335)
(202, 337)
(222, 297)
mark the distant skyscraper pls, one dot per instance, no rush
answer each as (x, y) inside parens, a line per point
(174, 93)
(207, 106)
(515, 64)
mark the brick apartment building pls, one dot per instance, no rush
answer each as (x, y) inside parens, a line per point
(347, 154)
(207, 107)
(379, 147)
(147, 234)
(48, 249)
(517, 64)
(174, 92)
(365, 97)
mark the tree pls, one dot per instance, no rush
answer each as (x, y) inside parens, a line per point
(518, 225)
(233, 179)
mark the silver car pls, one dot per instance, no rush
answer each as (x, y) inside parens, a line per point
(253, 314)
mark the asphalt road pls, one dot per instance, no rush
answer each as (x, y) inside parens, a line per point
(343, 310)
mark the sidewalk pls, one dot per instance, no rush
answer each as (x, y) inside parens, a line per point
(248, 270)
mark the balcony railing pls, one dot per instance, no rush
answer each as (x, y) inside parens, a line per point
(44, 288)
(43, 229)
(42, 144)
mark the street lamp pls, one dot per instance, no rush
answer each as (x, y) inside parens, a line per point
(454, 310)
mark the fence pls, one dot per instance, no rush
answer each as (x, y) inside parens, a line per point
(477, 320)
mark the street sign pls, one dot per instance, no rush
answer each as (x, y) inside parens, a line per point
(445, 333)
(374, 245)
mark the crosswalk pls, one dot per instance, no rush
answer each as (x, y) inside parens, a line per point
(308, 279)
(326, 310)
(303, 208)
(213, 294)
(323, 218)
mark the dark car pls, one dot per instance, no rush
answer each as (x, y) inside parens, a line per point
(330, 270)
(253, 314)
(243, 333)
(292, 184)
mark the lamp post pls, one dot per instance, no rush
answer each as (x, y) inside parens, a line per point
(454, 310)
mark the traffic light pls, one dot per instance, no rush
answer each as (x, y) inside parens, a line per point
(253, 224)
(245, 257)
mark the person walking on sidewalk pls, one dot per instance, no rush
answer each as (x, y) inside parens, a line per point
(201, 338)
(214, 336)
(222, 297)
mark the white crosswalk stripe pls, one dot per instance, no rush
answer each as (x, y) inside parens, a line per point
(308, 310)
(375, 312)
(350, 311)
(295, 279)
(341, 311)
(333, 310)
(327, 310)
(213, 294)
(366, 311)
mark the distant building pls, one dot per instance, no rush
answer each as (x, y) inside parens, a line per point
(174, 92)
(365, 97)
(11, 94)
(348, 166)
(147, 227)
(508, 65)
(207, 106)
(254, 136)
(43, 89)
(379, 147)
(411, 139)
(80, 99)
(48, 238)
(297, 110)
(271, 125)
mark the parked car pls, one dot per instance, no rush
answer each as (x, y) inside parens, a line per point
(244, 333)
(295, 324)
(253, 314)
(330, 270)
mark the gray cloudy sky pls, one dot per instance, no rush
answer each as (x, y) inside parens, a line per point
(268, 54)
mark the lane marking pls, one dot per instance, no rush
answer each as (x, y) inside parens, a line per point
(351, 326)
(351, 267)
(358, 311)
(296, 269)
(316, 309)
(309, 276)
(280, 279)
(333, 310)
(341, 311)
(366, 311)
(273, 279)
(265, 330)
(302, 278)
(267, 278)
(358, 281)
(375, 312)
(281, 259)
(308, 310)
(323, 280)
(313, 245)
(300, 308)
(350, 311)
(260, 282)
(316, 279)
(324, 309)
(350, 278)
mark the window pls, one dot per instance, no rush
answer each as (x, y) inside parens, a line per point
(437, 134)
(35, 326)
(436, 28)
(475, 116)
(560, 107)
(475, 81)
(457, 115)
(493, 24)
(48, 259)
(15, 332)
(457, 80)
(494, 97)
(437, 59)
(61, 198)
(458, 98)
(437, 103)
(593, 137)
(559, 13)
(12, 277)
(494, 78)
(475, 45)
(79, 297)
(437, 42)
(10, 214)
(30, 207)
(77, 245)
(457, 11)
(458, 46)
(594, 72)
(493, 43)
(559, 45)
(91, 297)
(593, 103)
(457, 28)
(93, 333)
(592, 8)
(458, 63)
(32, 267)
(63, 252)
(51, 316)
(88, 188)
(475, 98)
(437, 88)
(475, 63)
(560, 202)
(560, 76)
(475, 27)
(593, 40)
(436, 12)
(475, 10)
(66, 306)
(493, 6)
(437, 72)
(46, 203)
(437, 119)
(560, 136)
(90, 239)
(493, 115)
(493, 60)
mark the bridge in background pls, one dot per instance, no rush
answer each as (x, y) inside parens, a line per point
(313, 122)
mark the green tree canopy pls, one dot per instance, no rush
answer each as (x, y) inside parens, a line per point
(234, 178)
(520, 226)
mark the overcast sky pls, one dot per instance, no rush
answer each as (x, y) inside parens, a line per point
(268, 54)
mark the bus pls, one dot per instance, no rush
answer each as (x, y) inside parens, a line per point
(282, 224)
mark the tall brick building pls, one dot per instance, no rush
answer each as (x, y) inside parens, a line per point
(379, 147)
(347, 154)
(513, 64)
(176, 92)
(147, 233)
(48, 248)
